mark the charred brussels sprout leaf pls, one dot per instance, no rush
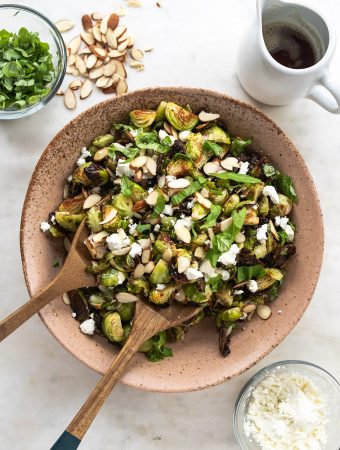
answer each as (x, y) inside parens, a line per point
(160, 113)
(96, 174)
(181, 119)
(103, 141)
(72, 205)
(112, 327)
(180, 167)
(142, 118)
(68, 221)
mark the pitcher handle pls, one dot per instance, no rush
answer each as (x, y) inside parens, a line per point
(329, 100)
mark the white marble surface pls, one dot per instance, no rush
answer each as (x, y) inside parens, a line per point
(41, 385)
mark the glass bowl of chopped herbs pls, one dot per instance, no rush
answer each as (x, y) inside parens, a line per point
(289, 405)
(32, 61)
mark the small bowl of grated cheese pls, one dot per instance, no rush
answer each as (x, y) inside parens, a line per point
(289, 405)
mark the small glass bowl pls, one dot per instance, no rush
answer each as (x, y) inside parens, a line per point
(324, 381)
(13, 17)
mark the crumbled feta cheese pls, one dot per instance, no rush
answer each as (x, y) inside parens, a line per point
(185, 221)
(133, 133)
(132, 228)
(229, 258)
(53, 219)
(157, 227)
(283, 223)
(163, 134)
(170, 178)
(88, 326)
(190, 205)
(150, 190)
(69, 179)
(117, 241)
(136, 250)
(81, 161)
(244, 167)
(123, 168)
(45, 226)
(95, 190)
(183, 135)
(224, 273)
(193, 274)
(182, 216)
(121, 278)
(261, 233)
(238, 292)
(252, 286)
(128, 145)
(270, 191)
(207, 269)
(168, 210)
(172, 222)
(85, 153)
(160, 287)
(74, 315)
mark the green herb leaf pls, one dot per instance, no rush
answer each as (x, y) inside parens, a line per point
(250, 272)
(238, 177)
(222, 242)
(285, 186)
(238, 145)
(195, 186)
(130, 152)
(126, 186)
(159, 351)
(160, 204)
(150, 140)
(56, 263)
(141, 228)
(215, 283)
(193, 294)
(210, 146)
(212, 217)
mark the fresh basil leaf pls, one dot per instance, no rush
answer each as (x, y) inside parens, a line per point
(238, 177)
(129, 152)
(123, 127)
(160, 204)
(215, 283)
(178, 198)
(141, 228)
(212, 217)
(149, 140)
(238, 145)
(250, 272)
(222, 242)
(285, 186)
(213, 147)
(269, 170)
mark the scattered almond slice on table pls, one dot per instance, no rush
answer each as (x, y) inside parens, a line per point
(98, 55)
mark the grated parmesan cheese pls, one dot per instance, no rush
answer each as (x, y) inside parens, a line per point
(287, 411)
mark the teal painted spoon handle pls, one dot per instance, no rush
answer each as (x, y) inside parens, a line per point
(66, 442)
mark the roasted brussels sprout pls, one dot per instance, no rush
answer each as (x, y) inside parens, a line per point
(56, 231)
(90, 174)
(226, 316)
(160, 273)
(263, 206)
(194, 149)
(216, 134)
(180, 118)
(68, 221)
(111, 278)
(164, 242)
(123, 205)
(179, 167)
(112, 327)
(199, 240)
(93, 218)
(198, 212)
(138, 193)
(96, 301)
(225, 296)
(160, 113)
(231, 204)
(103, 141)
(272, 275)
(139, 286)
(126, 311)
(72, 205)
(161, 296)
(283, 208)
(142, 118)
(251, 217)
(123, 263)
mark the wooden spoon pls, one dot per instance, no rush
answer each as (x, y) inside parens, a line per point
(146, 323)
(71, 276)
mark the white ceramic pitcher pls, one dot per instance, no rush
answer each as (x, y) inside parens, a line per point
(268, 81)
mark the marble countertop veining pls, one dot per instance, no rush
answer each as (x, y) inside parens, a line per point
(42, 385)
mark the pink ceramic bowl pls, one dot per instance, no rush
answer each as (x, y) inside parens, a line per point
(197, 363)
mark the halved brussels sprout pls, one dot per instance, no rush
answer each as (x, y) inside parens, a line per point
(164, 242)
(137, 192)
(56, 232)
(93, 218)
(160, 113)
(231, 204)
(254, 191)
(96, 301)
(216, 134)
(160, 297)
(198, 212)
(142, 118)
(103, 141)
(160, 273)
(72, 205)
(68, 221)
(180, 118)
(97, 269)
(79, 176)
(272, 275)
(97, 175)
(111, 278)
(217, 196)
(139, 286)
(260, 251)
(225, 296)
(199, 240)
(283, 208)
(251, 217)
(112, 327)
(194, 149)
(123, 205)
(123, 263)
(226, 316)
(179, 167)
(263, 206)
(126, 311)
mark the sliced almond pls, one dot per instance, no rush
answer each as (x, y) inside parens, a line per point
(116, 53)
(87, 38)
(134, 3)
(64, 25)
(97, 16)
(98, 63)
(123, 45)
(59, 92)
(86, 89)
(139, 271)
(66, 298)
(91, 201)
(146, 255)
(119, 30)
(211, 167)
(109, 83)
(239, 238)
(96, 72)
(148, 49)
(167, 254)
(161, 181)
(229, 163)
(86, 22)
(101, 154)
(112, 214)
(98, 51)
(225, 224)
(182, 233)
(109, 90)
(207, 117)
(199, 252)
(137, 65)
(74, 45)
(103, 24)
(249, 308)
(126, 297)
(70, 99)
(137, 54)
(121, 251)
(138, 162)
(102, 81)
(75, 84)
(80, 65)
(183, 263)
(144, 243)
(97, 34)
(84, 51)
(110, 68)
(206, 203)
(151, 165)
(120, 69)
(124, 36)
(71, 59)
(91, 61)
(100, 237)
(111, 39)
(263, 311)
(179, 183)
(113, 21)
(151, 199)
(121, 87)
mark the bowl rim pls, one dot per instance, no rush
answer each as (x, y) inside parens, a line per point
(169, 90)
(261, 374)
(62, 55)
